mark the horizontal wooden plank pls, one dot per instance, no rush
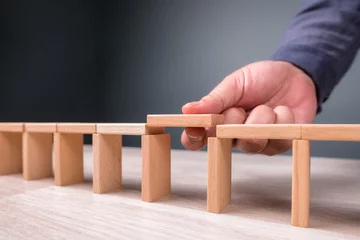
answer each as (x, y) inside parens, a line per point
(11, 127)
(184, 120)
(259, 131)
(40, 127)
(331, 132)
(127, 129)
(83, 128)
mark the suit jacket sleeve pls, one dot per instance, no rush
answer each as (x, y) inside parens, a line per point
(323, 39)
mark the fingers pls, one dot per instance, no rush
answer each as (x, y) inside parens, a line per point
(260, 115)
(193, 138)
(283, 116)
(266, 115)
(196, 138)
(224, 96)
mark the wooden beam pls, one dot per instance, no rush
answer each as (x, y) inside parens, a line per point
(127, 129)
(83, 128)
(40, 127)
(331, 132)
(11, 127)
(259, 131)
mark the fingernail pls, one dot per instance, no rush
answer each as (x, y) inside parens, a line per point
(195, 138)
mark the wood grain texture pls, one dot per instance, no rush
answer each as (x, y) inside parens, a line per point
(83, 128)
(37, 155)
(10, 153)
(331, 132)
(11, 127)
(259, 131)
(127, 129)
(184, 120)
(40, 127)
(219, 174)
(107, 163)
(301, 183)
(156, 169)
(260, 207)
(68, 154)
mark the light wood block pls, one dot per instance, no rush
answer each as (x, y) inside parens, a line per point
(11, 127)
(128, 129)
(331, 132)
(40, 127)
(184, 120)
(37, 155)
(156, 166)
(107, 173)
(84, 128)
(69, 154)
(300, 183)
(10, 153)
(259, 131)
(219, 174)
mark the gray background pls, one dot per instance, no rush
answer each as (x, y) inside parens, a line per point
(117, 61)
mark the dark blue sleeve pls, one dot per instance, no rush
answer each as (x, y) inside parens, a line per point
(323, 39)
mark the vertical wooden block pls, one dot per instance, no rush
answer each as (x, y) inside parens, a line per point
(37, 155)
(107, 162)
(219, 174)
(10, 153)
(69, 155)
(300, 183)
(156, 166)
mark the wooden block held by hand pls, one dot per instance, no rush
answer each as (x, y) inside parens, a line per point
(184, 120)
(107, 163)
(156, 167)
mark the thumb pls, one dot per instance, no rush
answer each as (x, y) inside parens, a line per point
(225, 95)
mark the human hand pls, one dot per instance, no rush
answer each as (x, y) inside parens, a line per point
(266, 92)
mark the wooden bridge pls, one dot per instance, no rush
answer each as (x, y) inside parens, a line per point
(31, 148)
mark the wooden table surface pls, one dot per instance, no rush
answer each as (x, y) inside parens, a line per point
(260, 209)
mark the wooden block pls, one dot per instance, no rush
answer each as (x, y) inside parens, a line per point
(107, 163)
(185, 120)
(127, 129)
(259, 131)
(69, 155)
(40, 127)
(219, 174)
(84, 128)
(156, 167)
(300, 183)
(10, 153)
(37, 155)
(11, 127)
(331, 132)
